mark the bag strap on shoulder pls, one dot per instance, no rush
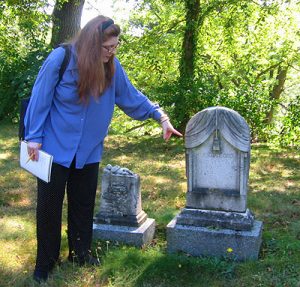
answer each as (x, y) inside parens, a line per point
(25, 101)
(65, 62)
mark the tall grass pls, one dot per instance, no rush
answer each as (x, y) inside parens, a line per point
(274, 197)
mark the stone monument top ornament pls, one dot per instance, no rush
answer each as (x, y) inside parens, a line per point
(219, 120)
(117, 170)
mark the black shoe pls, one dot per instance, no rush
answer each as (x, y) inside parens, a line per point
(40, 276)
(86, 259)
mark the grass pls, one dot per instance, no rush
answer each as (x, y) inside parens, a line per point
(274, 198)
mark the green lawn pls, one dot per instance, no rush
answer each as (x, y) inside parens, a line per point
(274, 198)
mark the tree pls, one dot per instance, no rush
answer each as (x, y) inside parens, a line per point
(190, 39)
(66, 20)
(251, 49)
(23, 30)
(239, 55)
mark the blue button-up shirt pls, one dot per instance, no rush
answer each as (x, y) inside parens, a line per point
(67, 128)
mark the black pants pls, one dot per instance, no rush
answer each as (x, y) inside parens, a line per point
(81, 190)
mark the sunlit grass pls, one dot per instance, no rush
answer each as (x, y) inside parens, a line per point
(274, 197)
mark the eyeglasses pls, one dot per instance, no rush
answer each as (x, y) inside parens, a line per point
(111, 49)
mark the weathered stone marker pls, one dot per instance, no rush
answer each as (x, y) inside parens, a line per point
(121, 217)
(216, 218)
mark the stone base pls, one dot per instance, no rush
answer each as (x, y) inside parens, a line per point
(216, 219)
(202, 241)
(124, 220)
(137, 236)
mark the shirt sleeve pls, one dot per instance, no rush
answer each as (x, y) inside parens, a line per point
(134, 103)
(42, 96)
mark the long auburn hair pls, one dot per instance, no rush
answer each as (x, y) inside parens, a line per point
(94, 75)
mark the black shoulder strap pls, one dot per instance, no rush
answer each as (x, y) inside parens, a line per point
(65, 62)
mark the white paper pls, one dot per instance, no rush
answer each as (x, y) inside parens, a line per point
(40, 168)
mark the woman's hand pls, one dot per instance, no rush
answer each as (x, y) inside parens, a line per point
(168, 130)
(33, 150)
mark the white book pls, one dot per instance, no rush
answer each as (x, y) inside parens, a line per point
(40, 168)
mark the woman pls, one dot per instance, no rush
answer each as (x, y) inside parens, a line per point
(70, 121)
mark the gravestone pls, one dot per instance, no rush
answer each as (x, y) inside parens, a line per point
(121, 217)
(216, 218)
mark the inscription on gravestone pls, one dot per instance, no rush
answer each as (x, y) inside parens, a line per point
(211, 165)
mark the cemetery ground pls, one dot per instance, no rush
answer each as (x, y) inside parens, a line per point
(274, 198)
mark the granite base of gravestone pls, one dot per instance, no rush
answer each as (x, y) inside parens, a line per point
(216, 220)
(121, 217)
(208, 241)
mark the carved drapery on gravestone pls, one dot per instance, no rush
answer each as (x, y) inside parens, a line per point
(217, 166)
(120, 198)
(217, 159)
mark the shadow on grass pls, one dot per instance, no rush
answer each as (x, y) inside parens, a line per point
(154, 269)
(125, 266)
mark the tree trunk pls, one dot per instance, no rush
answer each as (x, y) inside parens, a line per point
(66, 20)
(276, 92)
(189, 46)
(187, 60)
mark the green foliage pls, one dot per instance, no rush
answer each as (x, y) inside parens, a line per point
(288, 132)
(122, 124)
(151, 44)
(241, 47)
(183, 99)
(23, 31)
(291, 125)
(17, 80)
(242, 50)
